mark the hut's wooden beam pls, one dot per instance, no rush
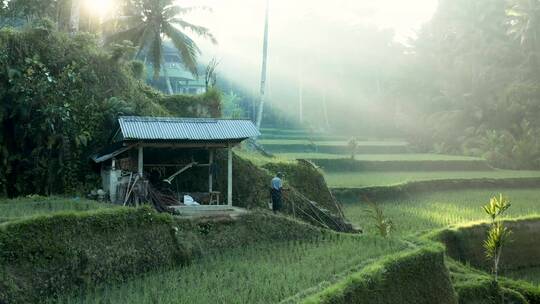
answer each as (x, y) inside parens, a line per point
(210, 173)
(140, 162)
(229, 175)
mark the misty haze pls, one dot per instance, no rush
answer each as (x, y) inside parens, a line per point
(270, 151)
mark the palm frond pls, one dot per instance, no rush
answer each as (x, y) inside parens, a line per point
(199, 30)
(175, 10)
(185, 45)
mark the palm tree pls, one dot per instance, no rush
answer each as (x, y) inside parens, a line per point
(153, 20)
(524, 18)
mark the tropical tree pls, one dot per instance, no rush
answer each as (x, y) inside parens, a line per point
(524, 18)
(149, 22)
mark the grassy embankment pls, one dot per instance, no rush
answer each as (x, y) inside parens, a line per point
(259, 271)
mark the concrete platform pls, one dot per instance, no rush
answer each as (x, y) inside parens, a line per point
(208, 211)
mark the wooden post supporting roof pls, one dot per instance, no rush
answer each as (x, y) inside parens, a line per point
(229, 175)
(141, 162)
(210, 169)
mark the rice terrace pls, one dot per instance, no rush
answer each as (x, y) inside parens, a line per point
(270, 151)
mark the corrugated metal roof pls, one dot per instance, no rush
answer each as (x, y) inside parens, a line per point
(170, 128)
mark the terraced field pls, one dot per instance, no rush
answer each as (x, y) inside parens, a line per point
(39, 205)
(378, 157)
(423, 212)
(274, 272)
(266, 273)
(374, 178)
(379, 168)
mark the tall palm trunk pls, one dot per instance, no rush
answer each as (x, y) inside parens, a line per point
(263, 72)
(300, 94)
(74, 16)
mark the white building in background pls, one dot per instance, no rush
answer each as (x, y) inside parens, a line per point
(182, 81)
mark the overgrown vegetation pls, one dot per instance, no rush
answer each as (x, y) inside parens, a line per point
(457, 108)
(60, 96)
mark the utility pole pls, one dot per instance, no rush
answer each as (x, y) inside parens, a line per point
(263, 72)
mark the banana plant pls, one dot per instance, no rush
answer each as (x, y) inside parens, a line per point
(497, 235)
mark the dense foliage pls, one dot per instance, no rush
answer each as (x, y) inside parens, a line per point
(59, 99)
(60, 96)
(475, 82)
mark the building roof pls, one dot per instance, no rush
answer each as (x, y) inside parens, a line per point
(185, 129)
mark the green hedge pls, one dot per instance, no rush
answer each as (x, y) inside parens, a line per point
(465, 244)
(409, 188)
(349, 165)
(47, 255)
(415, 276)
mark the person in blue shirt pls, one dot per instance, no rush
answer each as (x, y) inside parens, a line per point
(276, 188)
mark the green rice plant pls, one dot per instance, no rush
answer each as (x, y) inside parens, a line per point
(262, 273)
(527, 274)
(497, 234)
(11, 209)
(423, 212)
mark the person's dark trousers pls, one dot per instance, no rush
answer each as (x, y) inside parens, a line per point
(276, 199)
